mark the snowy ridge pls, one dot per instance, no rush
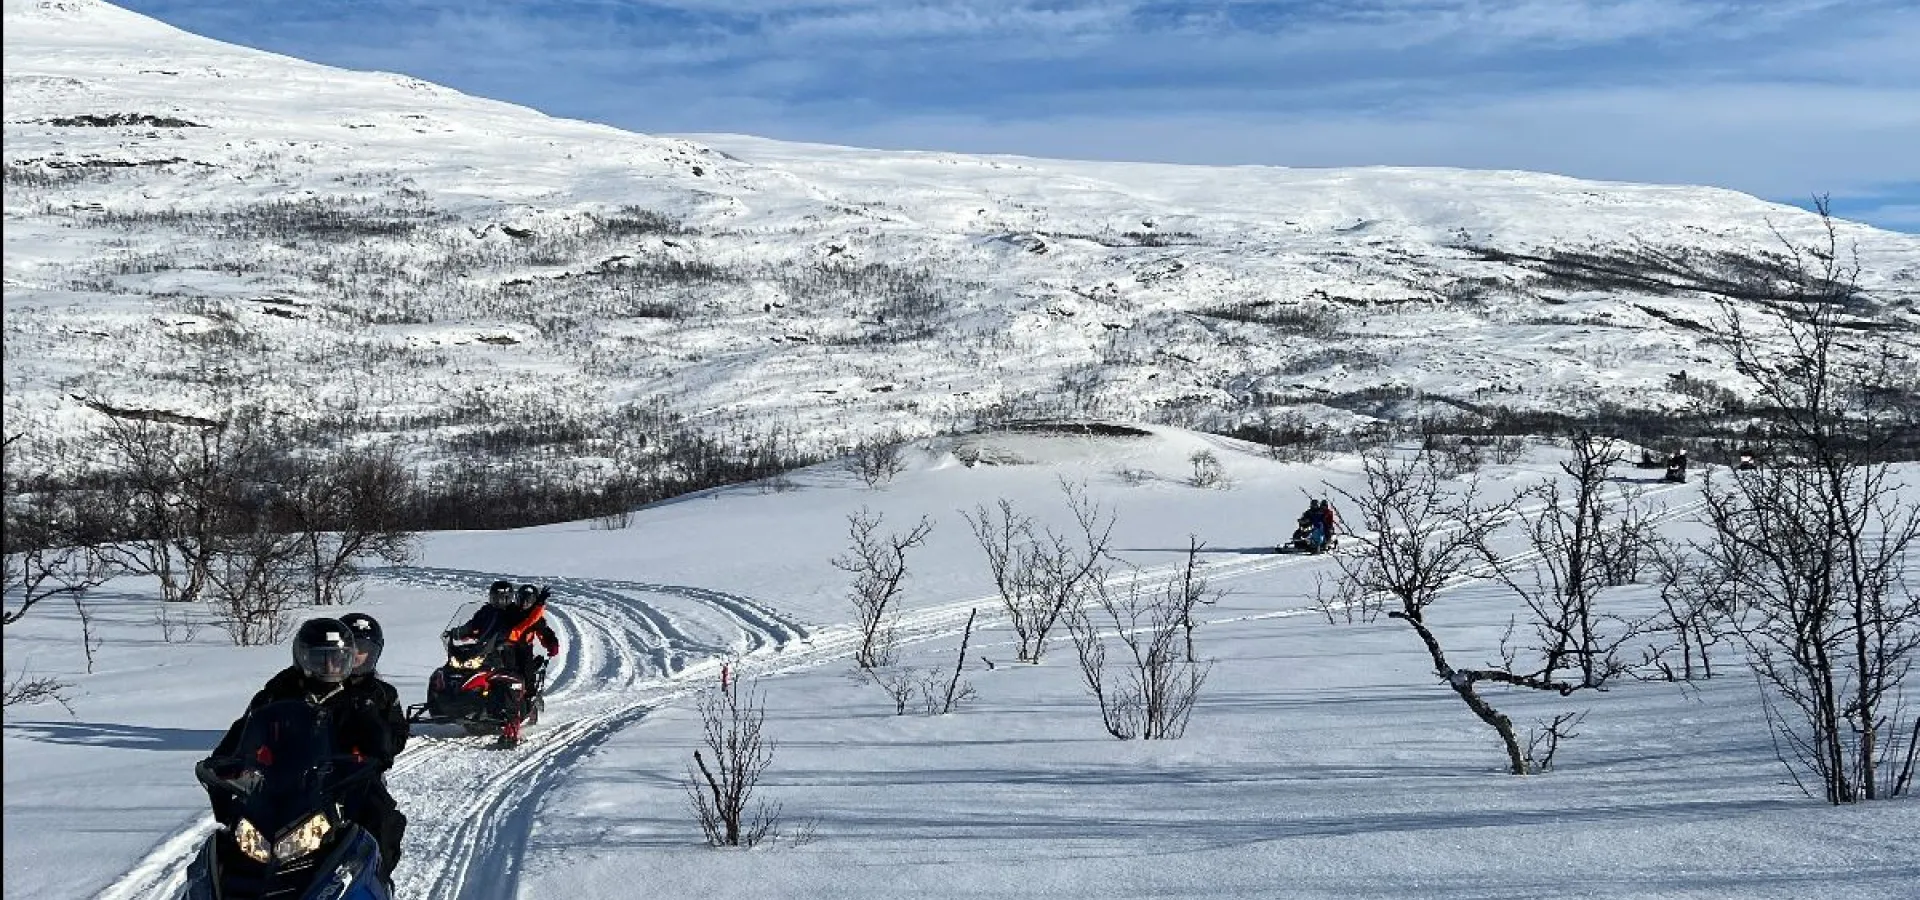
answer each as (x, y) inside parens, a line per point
(192, 225)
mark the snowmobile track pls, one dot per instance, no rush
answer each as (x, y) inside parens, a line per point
(622, 657)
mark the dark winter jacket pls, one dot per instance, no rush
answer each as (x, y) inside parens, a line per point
(517, 627)
(391, 710)
(363, 714)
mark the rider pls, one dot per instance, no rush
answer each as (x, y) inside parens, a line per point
(500, 606)
(531, 601)
(369, 639)
(323, 660)
(519, 613)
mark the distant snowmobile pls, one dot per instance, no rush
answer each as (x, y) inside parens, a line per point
(481, 688)
(1307, 539)
(281, 803)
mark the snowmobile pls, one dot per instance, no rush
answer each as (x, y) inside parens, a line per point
(480, 688)
(1676, 472)
(280, 802)
(1306, 539)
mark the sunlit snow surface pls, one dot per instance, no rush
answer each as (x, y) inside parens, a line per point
(144, 266)
(1322, 761)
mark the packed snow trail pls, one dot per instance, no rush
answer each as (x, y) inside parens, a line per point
(627, 647)
(470, 807)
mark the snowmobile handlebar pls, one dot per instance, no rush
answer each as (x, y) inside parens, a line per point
(209, 772)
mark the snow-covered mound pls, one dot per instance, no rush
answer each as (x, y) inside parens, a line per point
(192, 225)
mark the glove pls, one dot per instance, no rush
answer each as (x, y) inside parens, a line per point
(551, 643)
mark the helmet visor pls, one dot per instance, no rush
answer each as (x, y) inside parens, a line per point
(366, 656)
(326, 663)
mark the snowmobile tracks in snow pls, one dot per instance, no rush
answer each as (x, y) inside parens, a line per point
(627, 647)
(471, 809)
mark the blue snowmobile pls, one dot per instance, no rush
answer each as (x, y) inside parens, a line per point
(281, 803)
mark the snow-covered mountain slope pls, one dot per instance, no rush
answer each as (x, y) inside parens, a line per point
(192, 225)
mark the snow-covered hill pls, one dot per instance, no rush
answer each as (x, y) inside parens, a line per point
(192, 225)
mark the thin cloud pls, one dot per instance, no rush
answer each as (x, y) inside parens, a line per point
(1774, 97)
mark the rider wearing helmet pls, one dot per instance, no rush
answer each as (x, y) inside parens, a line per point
(531, 603)
(369, 639)
(325, 656)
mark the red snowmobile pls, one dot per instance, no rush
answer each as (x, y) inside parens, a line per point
(491, 682)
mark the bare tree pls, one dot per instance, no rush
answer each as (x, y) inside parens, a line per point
(1417, 539)
(1040, 578)
(1583, 543)
(253, 580)
(876, 461)
(1152, 693)
(1207, 471)
(957, 690)
(720, 791)
(25, 690)
(346, 509)
(1697, 606)
(50, 550)
(1818, 548)
(878, 565)
(180, 486)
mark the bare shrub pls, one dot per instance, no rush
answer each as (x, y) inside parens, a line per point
(720, 790)
(1317, 322)
(1543, 741)
(25, 689)
(1132, 477)
(176, 625)
(253, 581)
(1696, 614)
(1040, 578)
(1151, 694)
(1207, 471)
(1458, 454)
(1507, 449)
(1417, 538)
(51, 549)
(878, 564)
(1819, 554)
(342, 510)
(876, 461)
(618, 520)
(898, 684)
(1289, 437)
(1580, 541)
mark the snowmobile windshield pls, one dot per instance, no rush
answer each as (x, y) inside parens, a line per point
(284, 768)
(474, 631)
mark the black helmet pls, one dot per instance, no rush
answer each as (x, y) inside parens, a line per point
(528, 595)
(323, 650)
(501, 594)
(368, 641)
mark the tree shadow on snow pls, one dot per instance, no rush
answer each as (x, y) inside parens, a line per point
(124, 737)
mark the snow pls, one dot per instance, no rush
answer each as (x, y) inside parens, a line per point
(1068, 286)
(1322, 760)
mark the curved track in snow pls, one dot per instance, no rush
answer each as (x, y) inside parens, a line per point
(627, 647)
(624, 648)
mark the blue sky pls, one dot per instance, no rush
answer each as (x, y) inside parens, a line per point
(1779, 98)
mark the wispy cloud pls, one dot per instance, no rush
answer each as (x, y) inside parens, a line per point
(1776, 97)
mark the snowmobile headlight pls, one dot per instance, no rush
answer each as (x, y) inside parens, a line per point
(303, 839)
(464, 662)
(251, 843)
